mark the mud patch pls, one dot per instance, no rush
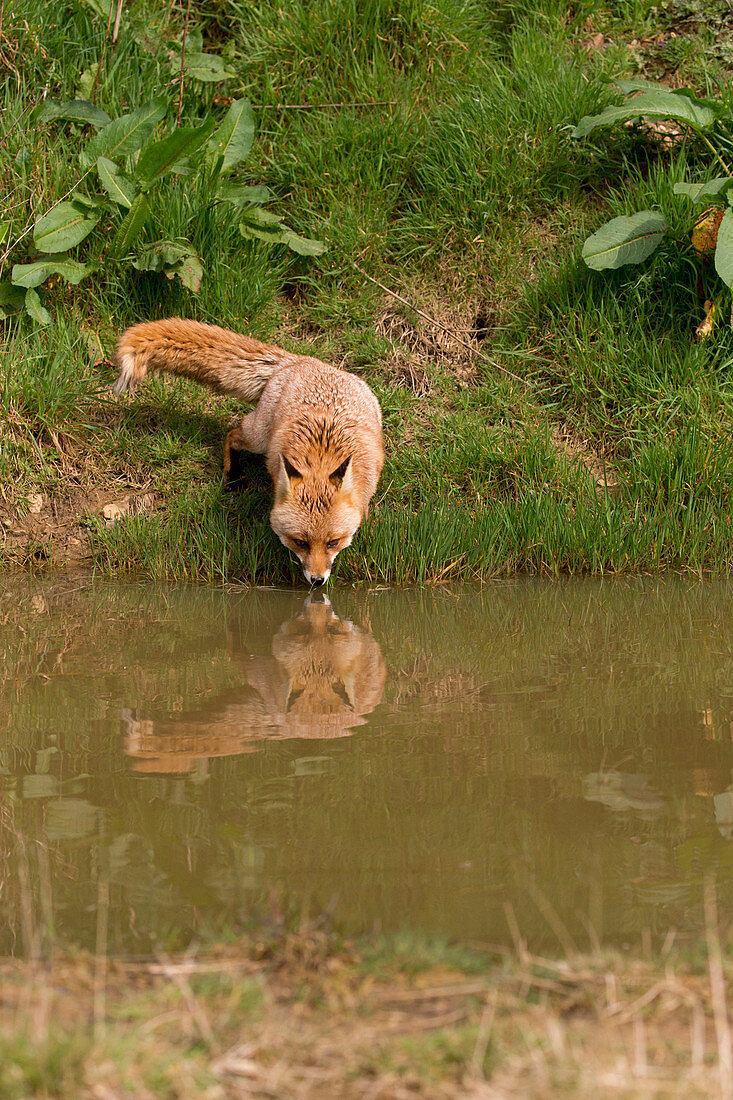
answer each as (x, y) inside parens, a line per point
(444, 335)
(410, 375)
(55, 527)
(422, 346)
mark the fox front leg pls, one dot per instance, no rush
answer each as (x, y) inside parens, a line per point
(244, 439)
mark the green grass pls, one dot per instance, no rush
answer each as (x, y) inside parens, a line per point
(462, 191)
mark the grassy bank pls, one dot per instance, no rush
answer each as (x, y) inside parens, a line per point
(256, 1018)
(576, 427)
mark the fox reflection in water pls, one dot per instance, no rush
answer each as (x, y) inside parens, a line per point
(322, 676)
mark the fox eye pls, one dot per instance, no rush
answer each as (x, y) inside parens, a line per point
(332, 544)
(301, 544)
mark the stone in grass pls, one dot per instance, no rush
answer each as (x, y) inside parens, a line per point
(127, 506)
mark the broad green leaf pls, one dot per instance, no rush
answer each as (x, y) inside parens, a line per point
(34, 308)
(637, 84)
(159, 157)
(76, 110)
(172, 258)
(130, 228)
(624, 240)
(85, 87)
(63, 227)
(628, 87)
(34, 274)
(194, 40)
(304, 246)
(101, 7)
(118, 186)
(23, 159)
(261, 225)
(699, 192)
(652, 104)
(190, 271)
(717, 106)
(262, 219)
(206, 67)
(251, 233)
(89, 202)
(724, 249)
(41, 785)
(156, 256)
(12, 299)
(233, 140)
(241, 194)
(126, 134)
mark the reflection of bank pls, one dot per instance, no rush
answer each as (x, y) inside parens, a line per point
(321, 677)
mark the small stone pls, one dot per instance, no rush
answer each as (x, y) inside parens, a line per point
(35, 503)
(115, 510)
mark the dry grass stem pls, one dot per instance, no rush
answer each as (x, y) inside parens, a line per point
(718, 988)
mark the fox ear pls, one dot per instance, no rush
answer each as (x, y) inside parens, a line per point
(286, 474)
(342, 476)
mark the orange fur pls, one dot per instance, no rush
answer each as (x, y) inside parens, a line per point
(320, 428)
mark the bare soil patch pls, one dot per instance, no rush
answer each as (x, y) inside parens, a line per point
(56, 525)
(574, 449)
(423, 344)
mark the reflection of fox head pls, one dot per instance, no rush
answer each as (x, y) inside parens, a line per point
(316, 514)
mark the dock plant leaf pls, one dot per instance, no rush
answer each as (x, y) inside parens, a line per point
(75, 110)
(35, 310)
(160, 156)
(233, 139)
(64, 226)
(29, 275)
(701, 192)
(126, 134)
(624, 240)
(724, 249)
(650, 104)
(118, 186)
(130, 227)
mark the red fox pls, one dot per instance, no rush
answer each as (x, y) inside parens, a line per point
(320, 428)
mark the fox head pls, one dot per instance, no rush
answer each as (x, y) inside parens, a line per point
(315, 514)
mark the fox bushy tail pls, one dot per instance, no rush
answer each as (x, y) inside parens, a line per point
(224, 361)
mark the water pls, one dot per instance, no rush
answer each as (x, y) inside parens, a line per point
(178, 762)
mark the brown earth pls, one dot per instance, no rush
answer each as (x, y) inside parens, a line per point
(56, 527)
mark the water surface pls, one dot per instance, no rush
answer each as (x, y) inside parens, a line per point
(178, 761)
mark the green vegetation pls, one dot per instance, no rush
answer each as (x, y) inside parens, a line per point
(202, 154)
(428, 144)
(193, 1026)
(631, 240)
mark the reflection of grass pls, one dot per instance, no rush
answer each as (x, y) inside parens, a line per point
(271, 1016)
(461, 190)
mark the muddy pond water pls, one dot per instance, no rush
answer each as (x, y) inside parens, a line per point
(178, 762)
